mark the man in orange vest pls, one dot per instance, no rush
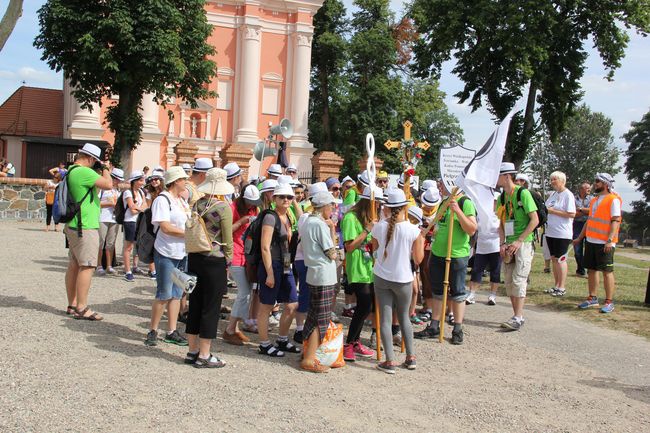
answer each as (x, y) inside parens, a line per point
(601, 231)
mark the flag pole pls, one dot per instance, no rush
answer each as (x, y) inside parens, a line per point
(445, 283)
(371, 170)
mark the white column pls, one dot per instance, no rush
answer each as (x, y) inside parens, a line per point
(171, 131)
(249, 84)
(181, 134)
(150, 112)
(84, 123)
(300, 88)
(208, 126)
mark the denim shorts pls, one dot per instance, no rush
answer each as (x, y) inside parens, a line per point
(284, 289)
(129, 231)
(457, 273)
(165, 289)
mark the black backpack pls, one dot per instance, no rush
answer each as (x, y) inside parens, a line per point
(145, 235)
(65, 207)
(253, 235)
(120, 210)
(542, 212)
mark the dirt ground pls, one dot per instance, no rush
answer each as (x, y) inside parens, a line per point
(557, 374)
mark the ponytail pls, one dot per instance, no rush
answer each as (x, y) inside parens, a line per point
(394, 213)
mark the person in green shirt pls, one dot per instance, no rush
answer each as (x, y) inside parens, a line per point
(463, 227)
(518, 215)
(82, 232)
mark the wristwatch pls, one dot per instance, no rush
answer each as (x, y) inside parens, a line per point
(609, 241)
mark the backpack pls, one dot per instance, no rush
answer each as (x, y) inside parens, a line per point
(145, 235)
(542, 213)
(252, 242)
(197, 237)
(120, 209)
(65, 207)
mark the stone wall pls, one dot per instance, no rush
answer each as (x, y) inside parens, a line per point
(22, 198)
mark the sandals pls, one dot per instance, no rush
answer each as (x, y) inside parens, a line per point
(94, 317)
(70, 310)
(286, 346)
(316, 367)
(271, 351)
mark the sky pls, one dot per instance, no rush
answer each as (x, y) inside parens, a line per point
(624, 100)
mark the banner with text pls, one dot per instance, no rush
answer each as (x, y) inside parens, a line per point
(453, 161)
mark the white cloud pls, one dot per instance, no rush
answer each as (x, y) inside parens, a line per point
(30, 76)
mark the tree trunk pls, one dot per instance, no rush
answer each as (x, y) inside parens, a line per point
(127, 125)
(9, 20)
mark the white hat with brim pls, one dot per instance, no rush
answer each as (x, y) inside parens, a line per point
(363, 178)
(202, 165)
(186, 166)
(232, 170)
(117, 173)
(317, 187)
(507, 168)
(283, 189)
(379, 193)
(428, 183)
(283, 179)
(274, 170)
(322, 199)
(215, 183)
(416, 213)
(268, 185)
(522, 176)
(431, 197)
(135, 175)
(91, 150)
(395, 198)
(292, 168)
(252, 195)
(348, 179)
(174, 173)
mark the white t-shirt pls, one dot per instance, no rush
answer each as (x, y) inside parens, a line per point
(615, 212)
(167, 245)
(107, 214)
(487, 242)
(396, 266)
(139, 199)
(557, 226)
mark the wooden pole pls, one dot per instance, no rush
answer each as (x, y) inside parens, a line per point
(445, 283)
(373, 217)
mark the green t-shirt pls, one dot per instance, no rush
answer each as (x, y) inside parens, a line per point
(460, 239)
(79, 180)
(357, 267)
(351, 197)
(519, 213)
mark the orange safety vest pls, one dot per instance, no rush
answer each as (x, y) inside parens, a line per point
(600, 218)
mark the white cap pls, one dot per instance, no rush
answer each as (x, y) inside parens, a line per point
(232, 170)
(317, 187)
(283, 189)
(268, 185)
(202, 164)
(274, 170)
(91, 150)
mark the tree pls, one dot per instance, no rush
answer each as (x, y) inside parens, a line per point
(328, 59)
(9, 19)
(638, 220)
(637, 166)
(504, 48)
(128, 48)
(584, 148)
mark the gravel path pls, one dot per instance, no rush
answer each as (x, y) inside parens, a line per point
(61, 375)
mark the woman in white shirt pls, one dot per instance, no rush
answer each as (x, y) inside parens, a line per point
(107, 225)
(396, 241)
(169, 212)
(561, 207)
(134, 203)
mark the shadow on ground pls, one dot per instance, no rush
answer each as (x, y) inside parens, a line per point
(636, 392)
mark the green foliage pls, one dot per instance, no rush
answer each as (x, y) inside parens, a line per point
(638, 220)
(637, 166)
(501, 47)
(584, 148)
(127, 48)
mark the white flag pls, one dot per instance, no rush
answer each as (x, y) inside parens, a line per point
(479, 178)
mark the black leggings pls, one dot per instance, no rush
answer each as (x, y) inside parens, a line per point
(365, 296)
(205, 300)
(48, 214)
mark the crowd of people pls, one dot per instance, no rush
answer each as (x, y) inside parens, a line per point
(290, 248)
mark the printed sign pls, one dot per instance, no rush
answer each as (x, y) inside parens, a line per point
(453, 161)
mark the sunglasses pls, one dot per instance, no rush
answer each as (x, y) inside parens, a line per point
(336, 188)
(382, 181)
(284, 197)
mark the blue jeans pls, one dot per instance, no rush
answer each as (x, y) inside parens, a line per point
(579, 250)
(165, 288)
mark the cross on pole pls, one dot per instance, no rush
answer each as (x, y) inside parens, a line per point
(409, 160)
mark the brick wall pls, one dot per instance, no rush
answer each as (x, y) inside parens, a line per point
(22, 198)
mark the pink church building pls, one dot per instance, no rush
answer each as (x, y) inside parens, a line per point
(263, 59)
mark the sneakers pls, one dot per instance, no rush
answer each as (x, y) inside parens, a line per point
(152, 275)
(410, 363)
(513, 324)
(547, 270)
(176, 338)
(450, 318)
(273, 321)
(397, 338)
(416, 320)
(426, 316)
(471, 299)
(100, 272)
(111, 271)
(608, 307)
(211, 362)
(492, 299)
(558, 292)
(348, 312)
(550, 290)
(137, 271)
(386, 367)
(348, 353)
(589, 302)
(129, 277)
(427, 333)
(248, 327)
(457, 337)
(152, 338)
(361, 350)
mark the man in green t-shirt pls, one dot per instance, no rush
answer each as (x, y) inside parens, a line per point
(518, 215)
(463, 227)
(82, 231)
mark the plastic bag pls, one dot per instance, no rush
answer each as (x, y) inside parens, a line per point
(330, 351)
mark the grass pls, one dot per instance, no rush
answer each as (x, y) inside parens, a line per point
(630, 315)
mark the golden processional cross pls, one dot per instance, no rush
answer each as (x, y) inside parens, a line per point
(410, 156)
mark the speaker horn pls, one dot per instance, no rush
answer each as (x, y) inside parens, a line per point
(285, 128)
(260, 151)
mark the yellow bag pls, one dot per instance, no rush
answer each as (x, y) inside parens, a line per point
(49, 197)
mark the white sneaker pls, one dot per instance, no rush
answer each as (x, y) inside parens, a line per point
(471, 299)
(100, 271)
(551, 290)
(273, 321)
(492, 299)
(111, 271)
(558, 293)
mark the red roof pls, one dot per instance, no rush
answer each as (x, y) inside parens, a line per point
(33, 111)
